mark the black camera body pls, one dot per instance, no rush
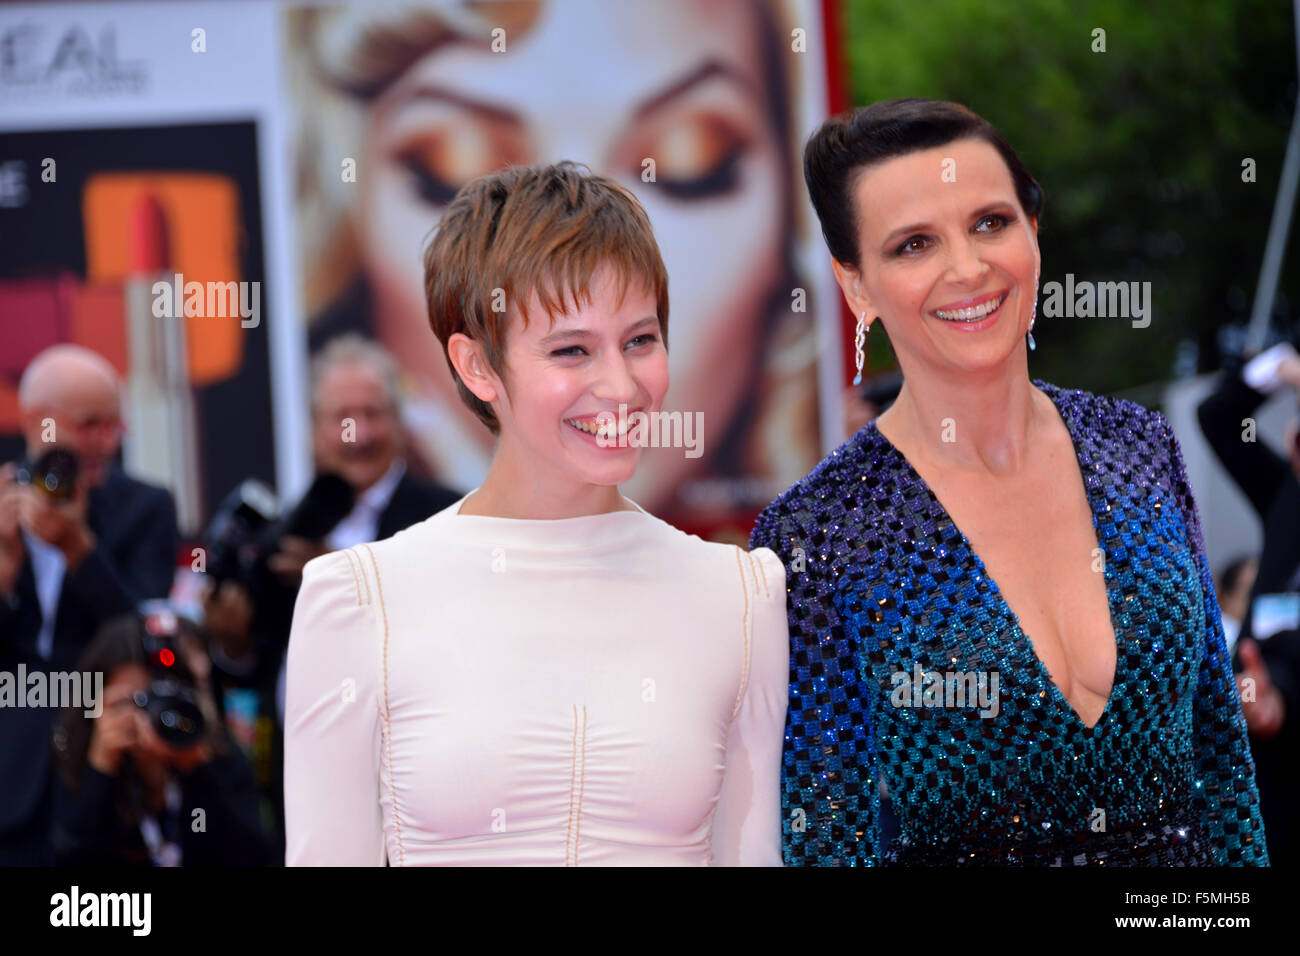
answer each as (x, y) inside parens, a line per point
(171, 700)
(233, 539)
(54, 473)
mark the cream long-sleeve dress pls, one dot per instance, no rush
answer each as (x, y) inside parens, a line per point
(598, 690)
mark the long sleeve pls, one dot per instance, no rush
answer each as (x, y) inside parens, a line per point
(332, 717)
(223, 787)
(84, 823)
(746, 824)
(1225, 769)
(98, 587)
(152, 567)
(139, 564)
(830, 805)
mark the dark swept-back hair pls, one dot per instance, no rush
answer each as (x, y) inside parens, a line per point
(847, 144)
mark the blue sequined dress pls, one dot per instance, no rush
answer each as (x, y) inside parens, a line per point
(881, 583)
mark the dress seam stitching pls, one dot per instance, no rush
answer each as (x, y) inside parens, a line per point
(388, 727)
(745, 626)
(582, 781)
(356, 580)
(576, 777)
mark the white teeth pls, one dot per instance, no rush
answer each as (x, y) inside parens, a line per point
(592, 427)
(972, 314)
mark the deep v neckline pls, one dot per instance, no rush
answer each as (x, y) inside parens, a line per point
(1039, 667)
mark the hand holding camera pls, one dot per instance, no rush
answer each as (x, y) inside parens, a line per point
(53, 505)
(161, 711)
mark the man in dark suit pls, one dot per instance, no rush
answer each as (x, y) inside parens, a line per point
(66, 566)
(356, 435)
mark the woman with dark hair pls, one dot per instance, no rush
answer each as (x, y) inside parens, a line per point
(999, 601)
(125, 796)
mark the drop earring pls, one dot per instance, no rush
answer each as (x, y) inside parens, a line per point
(859, 341)
(1029, 335)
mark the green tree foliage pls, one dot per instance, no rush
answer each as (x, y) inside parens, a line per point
(1139, 149)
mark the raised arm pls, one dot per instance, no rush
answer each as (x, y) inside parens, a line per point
(830, 807)
(141, 565)
(331, 718)
(1255, 468)
(1225, 769)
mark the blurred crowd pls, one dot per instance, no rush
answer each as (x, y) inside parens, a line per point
(177, 758)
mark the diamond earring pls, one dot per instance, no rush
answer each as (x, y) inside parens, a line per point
(860, 340)
(1029, 335)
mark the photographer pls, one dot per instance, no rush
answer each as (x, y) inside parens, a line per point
(80, 542)
(126, 794)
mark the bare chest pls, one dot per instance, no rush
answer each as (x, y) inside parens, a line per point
(1034, 534)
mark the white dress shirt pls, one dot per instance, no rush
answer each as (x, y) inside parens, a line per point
(362, 522)
(49, 567)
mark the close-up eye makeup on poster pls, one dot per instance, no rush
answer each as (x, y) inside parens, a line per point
(364, 503)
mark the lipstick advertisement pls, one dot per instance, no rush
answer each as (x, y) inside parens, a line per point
(138, 251)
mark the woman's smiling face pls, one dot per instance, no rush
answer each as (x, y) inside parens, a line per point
(947, 258)
(560, 379)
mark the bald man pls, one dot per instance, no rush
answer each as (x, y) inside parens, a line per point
(67, 566)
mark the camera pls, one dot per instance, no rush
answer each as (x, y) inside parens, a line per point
(54, 473)
(232, 539)
(171, 700)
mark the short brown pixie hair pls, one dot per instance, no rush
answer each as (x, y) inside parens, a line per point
(533, 229)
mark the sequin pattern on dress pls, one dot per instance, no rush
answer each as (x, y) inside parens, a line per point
(882, 583)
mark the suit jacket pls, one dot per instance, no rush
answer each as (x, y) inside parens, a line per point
(133, 560)
(414, 499)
